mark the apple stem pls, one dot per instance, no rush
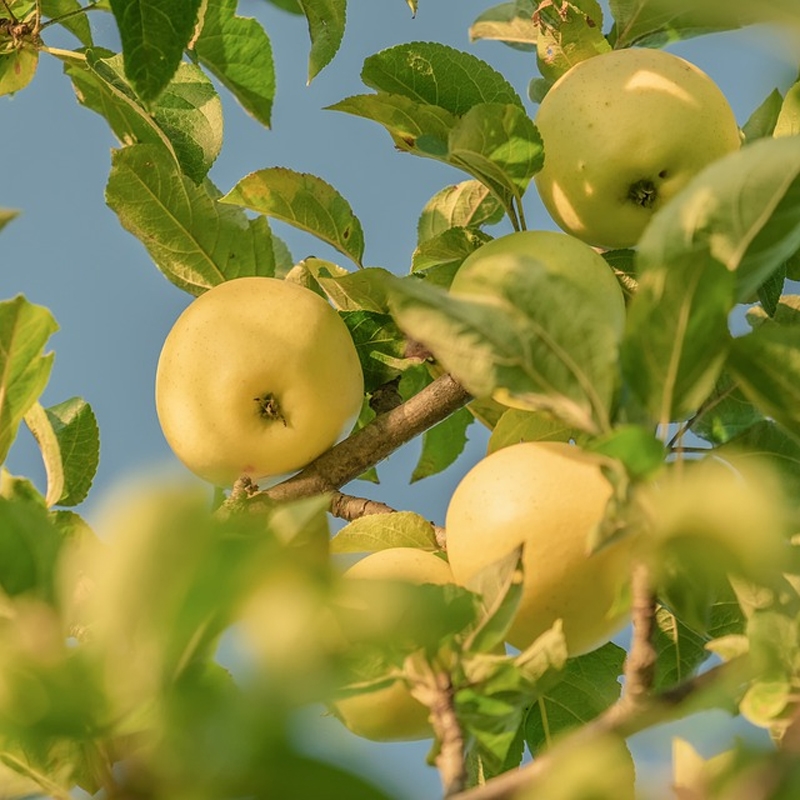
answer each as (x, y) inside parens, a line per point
(269, 408)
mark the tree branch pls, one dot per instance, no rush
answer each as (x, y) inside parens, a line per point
(365, 448)
(640, 665)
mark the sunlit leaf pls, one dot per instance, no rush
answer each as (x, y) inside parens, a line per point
(468, 204)
(17, 69)
(505, 23)
(380, 531)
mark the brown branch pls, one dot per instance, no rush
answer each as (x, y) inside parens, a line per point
(640, 665)
(365, 448)
(623, 719)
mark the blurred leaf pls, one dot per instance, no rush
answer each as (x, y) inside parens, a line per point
(196, 241)
(17, 69)
(6, 215)
(743, 211)
(468, 204)
(186, 118)
(24, 369)
(589, 685)
(154, 34)
(636, 447)
(766, 364)
(769, 293)
(69, 440)
(304, 201)
(762, 121)
(787, 312)
(380, 531)
(435, 74)
(516, 425)
(326, 21)
(788, 121)
(442, 444)
(375, 335)
(677, 334)
(439, 257)
(238, 51)
(505, 23)
(77, 24)
(726, 413)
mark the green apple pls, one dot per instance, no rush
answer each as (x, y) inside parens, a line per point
(623, 132)
(391, 713)
(549, 497)
(257, 377)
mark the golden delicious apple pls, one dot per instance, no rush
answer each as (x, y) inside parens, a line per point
(623, 132)
(547, 496)
(257, 377)
(392, 714)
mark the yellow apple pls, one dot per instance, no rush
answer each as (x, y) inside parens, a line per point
(623, 132)
(548, 496)
(257, 377)
(392, 714)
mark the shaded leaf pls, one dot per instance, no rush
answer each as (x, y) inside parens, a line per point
(442, 444)
(326, 21)
(726, 414)
(304, 201)
(679, 650)
(376, 335)
(193, 239)
(77, 24)
(439, 257)
(762, 121)
(380, 531)
(507, 23)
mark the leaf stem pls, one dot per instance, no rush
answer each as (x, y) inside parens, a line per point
(69, 14)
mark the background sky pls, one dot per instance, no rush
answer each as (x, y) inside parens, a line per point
(68, 252)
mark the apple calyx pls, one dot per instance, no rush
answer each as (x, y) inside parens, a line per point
(269, 408)
(644, 193)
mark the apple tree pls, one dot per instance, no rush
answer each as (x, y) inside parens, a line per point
(638, 377)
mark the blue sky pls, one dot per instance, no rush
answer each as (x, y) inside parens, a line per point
(68, 252)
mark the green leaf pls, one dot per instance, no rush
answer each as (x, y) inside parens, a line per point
(468, 204)
(375, 335)
(517, 333)
(238, 51)
(435, 74)
(726, 413)
(304, 201)
(77, 24)
(326, 21)
(677, 335)
(442, 444)
(505, 23)
(788, 121)
(6, 215)
(69, 439)
(363, 290)
(500, 146)
(186, 117)
(154, 34)
(743, 210)
(24, 369)
(762, 121)
(766, 364)
(292, 6)
(588, 687)
(516, 425)
(196, 241)
(787, 312)
(636, 447)
(380, 531)
(415, 127)
(439, 257)
(679, 650)
(17, 69)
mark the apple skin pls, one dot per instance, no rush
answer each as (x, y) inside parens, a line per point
(549, 496)
(241, 342)
(392, 714)
(623, 132)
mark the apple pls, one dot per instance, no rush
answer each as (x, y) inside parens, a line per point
(623, 132)
(547, 496)
(391, 713)
(257, 377)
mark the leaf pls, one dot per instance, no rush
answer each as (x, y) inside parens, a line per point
(468, 204)
(326, 21)
(186, 117)
(517, 332)
(24, 369)
(677, 335)
(363, 290)
(787, 312)
(726, 414)
(375, 335)
(589, 686)
(439, 257)
(380, 531)
(238, 51)
(439, 75)
(17, 69)
(766, 364)
(505, 23)
(500, 146)
(69, 439)
(743, 210)
(762, 121)
(154, 34)
(77, 24)
(292, 6)
(304, 201)
(516, 426)
(193, 239)
(788, 121)
(679, 650)
(635, 446)
(6, 216)
(442, 444)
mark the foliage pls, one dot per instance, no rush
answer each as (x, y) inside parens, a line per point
(112, 643)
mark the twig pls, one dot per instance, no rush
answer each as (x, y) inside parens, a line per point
(374, 442)
(640, 664)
